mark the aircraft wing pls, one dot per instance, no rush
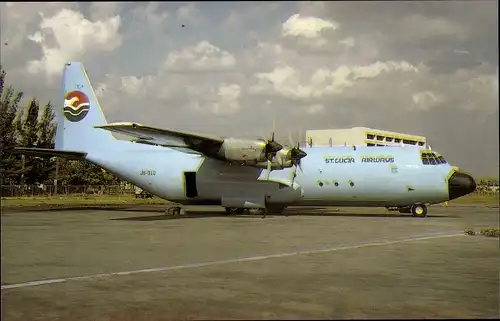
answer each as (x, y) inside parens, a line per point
(201, 143)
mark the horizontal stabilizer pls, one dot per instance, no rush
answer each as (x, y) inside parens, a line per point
(48, 152)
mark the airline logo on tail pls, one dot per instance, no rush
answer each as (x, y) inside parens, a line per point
(76, 106)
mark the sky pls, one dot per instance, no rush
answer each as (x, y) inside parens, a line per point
(231, 68)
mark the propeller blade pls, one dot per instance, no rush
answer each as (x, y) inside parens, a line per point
(290, 140)
(268, 170)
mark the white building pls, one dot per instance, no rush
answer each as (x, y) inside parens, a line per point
(362, 136)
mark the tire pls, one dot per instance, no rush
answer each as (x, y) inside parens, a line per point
(419, 210)
(235, 210)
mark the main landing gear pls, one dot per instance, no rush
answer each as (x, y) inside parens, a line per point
(174, 211)
(235, 210)
(263, 211)
(416, 210)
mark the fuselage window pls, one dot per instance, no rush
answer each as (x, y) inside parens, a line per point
(431, 159)
(440, 159)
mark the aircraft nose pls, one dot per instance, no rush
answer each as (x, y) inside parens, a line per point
(460, 184)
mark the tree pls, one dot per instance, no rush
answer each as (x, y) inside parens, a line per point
(34, 127)
(9, 101)
(45, 139)
(28, 137)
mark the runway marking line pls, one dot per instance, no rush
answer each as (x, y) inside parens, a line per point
(228, 261)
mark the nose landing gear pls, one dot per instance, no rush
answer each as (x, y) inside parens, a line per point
(416, 210)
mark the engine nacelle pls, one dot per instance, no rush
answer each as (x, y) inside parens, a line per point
(280, 161)
(243, 150)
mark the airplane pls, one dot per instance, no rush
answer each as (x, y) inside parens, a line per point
(238, 174)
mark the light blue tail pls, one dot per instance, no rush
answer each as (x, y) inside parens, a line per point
(78, 113)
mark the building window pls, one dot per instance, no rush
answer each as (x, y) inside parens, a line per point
(397, 140)
(388, 139)
(421, 143)
(380, 145)
(370, 136)
(380, 137)
(409, 142)
(370, 144)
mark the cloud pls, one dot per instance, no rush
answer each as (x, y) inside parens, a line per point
(286, 81)
(203, 57)
(425, 100)
(220, 100)
(309, 27)
(428, 68)
(150, 14)
(188, 14)
(136, 86)
(308, 31)
(68, 36)
(103, 10)
(418, 27)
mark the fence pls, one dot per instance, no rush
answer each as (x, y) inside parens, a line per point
(125, 189)
(67, 190)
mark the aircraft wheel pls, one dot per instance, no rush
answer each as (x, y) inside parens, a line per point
(234, 210)
(173, 211)
(419, 210)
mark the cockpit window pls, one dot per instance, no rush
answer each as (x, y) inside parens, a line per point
(431, 158)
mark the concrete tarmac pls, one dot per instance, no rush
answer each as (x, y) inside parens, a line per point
(138, 264)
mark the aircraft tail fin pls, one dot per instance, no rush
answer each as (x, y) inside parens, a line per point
(79, 114)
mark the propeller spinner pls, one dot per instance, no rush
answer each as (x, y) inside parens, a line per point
(272, 147)
(296, 154)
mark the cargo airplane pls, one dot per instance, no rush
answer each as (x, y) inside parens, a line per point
(238, 174)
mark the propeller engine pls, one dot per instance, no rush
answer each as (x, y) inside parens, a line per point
(295, 155)
(288, 155)
(271, 147)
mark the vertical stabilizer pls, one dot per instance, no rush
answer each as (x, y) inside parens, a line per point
(78, 112)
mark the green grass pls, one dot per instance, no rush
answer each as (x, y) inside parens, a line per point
(78, 200)
(436, 278)
(490, 199)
